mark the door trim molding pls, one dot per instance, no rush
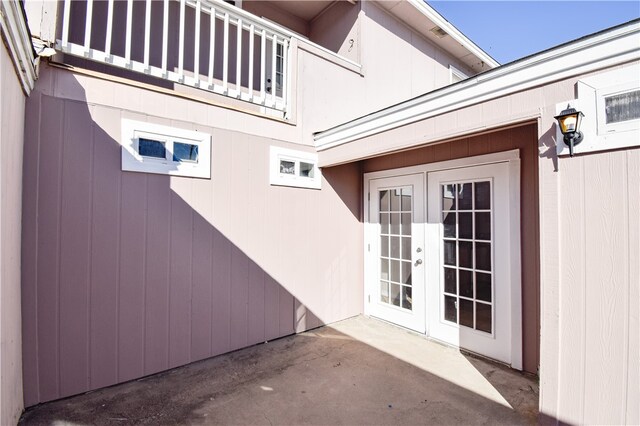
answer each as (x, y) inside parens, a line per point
(513, 158)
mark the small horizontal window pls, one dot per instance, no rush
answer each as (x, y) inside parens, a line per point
(622, 107)
(306, 169)
(185, 152)
(150, 148)
(294, 168)
(287, 167)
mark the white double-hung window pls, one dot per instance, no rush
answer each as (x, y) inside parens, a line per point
(151, 148)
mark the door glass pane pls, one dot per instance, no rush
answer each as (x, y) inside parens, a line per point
(395, 223)
(465, 225)
(450, 253)
(449, 225)
(384, 223)
(395, 247)
(384, 246)
(395, 294)
(406, 199)
(395, 270)
(450, 280)
(406, 297)
(483, 286)
(483, 195)
(384, 201)
(483, 317)
(384, 291)
(466, 312)
(406, 272)
(483, 226)
(448, 197)
(465, 250)
(384, 269)
(406, 223)
(395, 199)
(466, 283)
(464, 196)
(483, 256)
(450, 310)
(406, 248)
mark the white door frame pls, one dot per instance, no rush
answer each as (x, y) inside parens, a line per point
(513, 159)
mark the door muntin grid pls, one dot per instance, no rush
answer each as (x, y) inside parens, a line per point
(395, 218)
(467, 292)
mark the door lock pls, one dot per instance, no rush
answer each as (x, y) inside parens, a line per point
(418, 250)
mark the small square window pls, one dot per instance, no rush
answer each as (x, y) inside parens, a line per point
(185, 152)
(287, 167)
(306, 169)
(151, 148)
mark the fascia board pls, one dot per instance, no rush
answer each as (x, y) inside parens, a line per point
(16, 34)
(453, 32)
(583, 56)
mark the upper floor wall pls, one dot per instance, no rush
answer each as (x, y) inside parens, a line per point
(312, 65)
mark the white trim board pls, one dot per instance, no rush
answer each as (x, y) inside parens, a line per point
(602, 50)
(18, 40)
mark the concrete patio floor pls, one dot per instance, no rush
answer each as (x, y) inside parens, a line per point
(357, 371)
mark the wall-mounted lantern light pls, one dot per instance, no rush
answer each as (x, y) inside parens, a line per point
(569, 121)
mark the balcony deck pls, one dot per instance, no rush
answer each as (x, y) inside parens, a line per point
(206, 44)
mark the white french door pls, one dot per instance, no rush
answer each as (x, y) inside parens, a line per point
(443, 254)
(396, 215)
(470, 253)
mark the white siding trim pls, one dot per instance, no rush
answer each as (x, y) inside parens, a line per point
(18, 40)
(602, 50)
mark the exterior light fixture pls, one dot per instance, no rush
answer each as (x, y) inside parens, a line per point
(569, 121)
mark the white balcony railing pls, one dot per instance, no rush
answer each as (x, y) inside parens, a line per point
(205, 44)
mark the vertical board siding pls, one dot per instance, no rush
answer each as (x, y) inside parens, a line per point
(74, 249)
(606, 309)
(48, 244)
(597, 290)
(524, 139)
(133, 273)
(104, 258)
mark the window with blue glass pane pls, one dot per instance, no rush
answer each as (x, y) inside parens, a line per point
(185, 152)
(151, 148)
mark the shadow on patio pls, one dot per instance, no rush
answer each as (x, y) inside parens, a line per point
(357, 371)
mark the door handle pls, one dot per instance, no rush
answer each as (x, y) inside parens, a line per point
(418, 262)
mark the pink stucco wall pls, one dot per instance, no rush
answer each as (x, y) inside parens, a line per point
(11, 141)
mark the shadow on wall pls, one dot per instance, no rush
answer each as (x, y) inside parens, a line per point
(121, 277)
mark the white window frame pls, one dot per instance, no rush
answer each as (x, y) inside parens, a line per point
(132, 161)
(622, 126)
(453, 71)
(278, 154)
(598, 135)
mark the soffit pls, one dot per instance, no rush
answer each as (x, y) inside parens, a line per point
(306, 10)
